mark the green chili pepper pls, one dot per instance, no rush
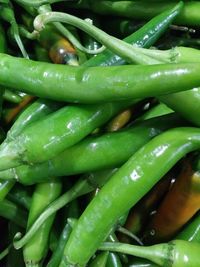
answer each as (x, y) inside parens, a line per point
(173, 100)
(190, 108)
(177, 253)
(192, 99)
(141, 263)
(113, 260)
(158, 110)
(69, 125)
(121, 48)
(100, 260)
(94, 153)
(5, 187)
(144, 9)
(37, 110)
(12, 212)
(21, 196)
(133, 180)
(144, 37)
(36, 248)
(11, 96)
(95, 84)
(57, 254)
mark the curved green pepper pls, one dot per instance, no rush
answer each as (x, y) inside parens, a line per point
(94, 153)
(56, 132)
(95, 84)
(36, 248)
(125, 188)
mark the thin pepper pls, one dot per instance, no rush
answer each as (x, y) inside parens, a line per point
(12, 97)
(69, 125)
(125, 188)
(13, 212)
(57, 254)
(5, 187)
(113, 260)
(100, 260)
(94, 153)
(36, 248)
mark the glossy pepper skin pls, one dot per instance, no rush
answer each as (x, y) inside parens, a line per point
(36, 248)
(35, 111)
(144, 37)
(174, 101)
(133, 180)
(94, 153)
(190, 99)
(57, 254)
(13, 212)
(68, 125)
(94, 84)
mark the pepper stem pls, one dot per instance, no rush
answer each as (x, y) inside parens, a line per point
(68, 35)
(119, 47)
(156, 253)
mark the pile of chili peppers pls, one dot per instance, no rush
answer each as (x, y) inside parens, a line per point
(100, 138)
